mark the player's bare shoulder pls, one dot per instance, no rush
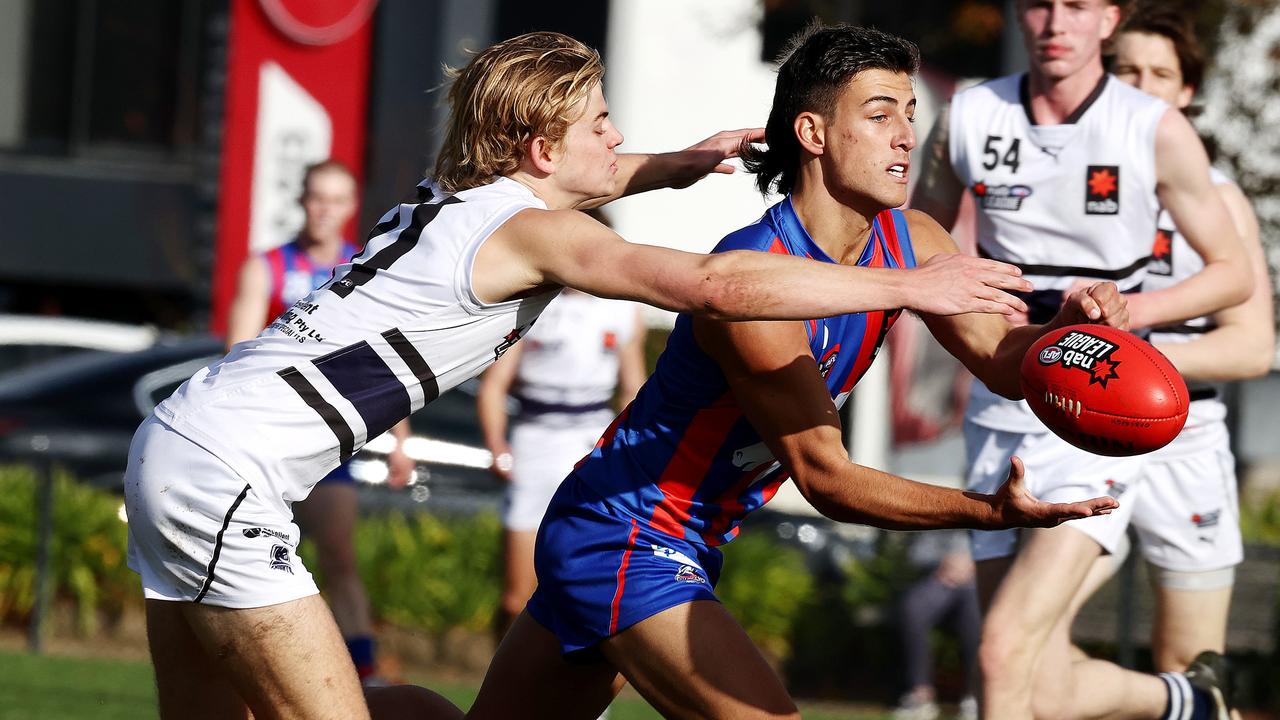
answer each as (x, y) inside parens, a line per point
(927, 236)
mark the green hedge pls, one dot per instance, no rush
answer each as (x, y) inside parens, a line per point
(421, 571)
(88, 549)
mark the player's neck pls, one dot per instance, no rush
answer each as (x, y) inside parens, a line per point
(840, 230)
(1053, 100)
(547, 191)
(322, 250)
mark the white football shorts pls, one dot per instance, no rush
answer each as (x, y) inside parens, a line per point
(198, 532)
(1188, 514)
(543, 455)
(1057, 471)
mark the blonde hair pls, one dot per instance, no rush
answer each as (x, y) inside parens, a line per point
(526, 86)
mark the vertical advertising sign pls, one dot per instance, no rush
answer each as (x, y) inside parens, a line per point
(297, 89)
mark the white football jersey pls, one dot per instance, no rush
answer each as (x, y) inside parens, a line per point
(1068, 202)
(1172, 261)
(570, 358)
(389, 332)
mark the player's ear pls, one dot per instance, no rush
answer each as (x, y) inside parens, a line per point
(1110, 19)
(811, 132)
(542, 154)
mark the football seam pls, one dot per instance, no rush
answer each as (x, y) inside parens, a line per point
(1154, 361)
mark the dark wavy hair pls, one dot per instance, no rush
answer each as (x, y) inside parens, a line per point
(818, 63)
(1165, 20)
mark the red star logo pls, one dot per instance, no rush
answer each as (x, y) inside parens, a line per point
(980, 189)
(1103, 370)
(1102, 183)
(1163, 245)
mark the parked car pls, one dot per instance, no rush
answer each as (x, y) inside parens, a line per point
(30, 339)
(80, 411)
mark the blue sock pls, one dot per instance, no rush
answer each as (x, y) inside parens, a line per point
(362, 652)
(1185, 702)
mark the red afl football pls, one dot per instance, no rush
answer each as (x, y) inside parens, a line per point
(1104, 390)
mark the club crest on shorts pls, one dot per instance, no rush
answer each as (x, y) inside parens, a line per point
(1207, 525)
(689, 574)
(1084, 352)
(1116, 489)
(280, 559)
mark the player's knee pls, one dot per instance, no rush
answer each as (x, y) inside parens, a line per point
(1001, 654)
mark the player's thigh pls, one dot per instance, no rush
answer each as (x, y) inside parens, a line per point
(287, 660)
(695, 661)
(1036, 592)
(518, 570)
(530, 678)
(1187, 622)
(328, 516)
(189, 684)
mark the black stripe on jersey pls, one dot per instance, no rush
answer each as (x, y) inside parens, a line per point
(327, 412)
(363, 272)
(418, 364)
(366, 381)
(217, 545)
(1024, 97)
(1185, 329)
(1073, 271)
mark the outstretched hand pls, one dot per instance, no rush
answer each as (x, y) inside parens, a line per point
(1100, 302)
(953, 284)
(1015, 506)
(702, 159)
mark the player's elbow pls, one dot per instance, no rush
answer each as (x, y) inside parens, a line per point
(1258, 357)
(719, 290)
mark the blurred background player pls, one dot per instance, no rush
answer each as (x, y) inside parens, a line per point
(1069, 169)
(1188, 517)
(271, 283)
(582, 352)
(946, 594)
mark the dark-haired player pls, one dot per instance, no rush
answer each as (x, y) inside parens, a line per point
(1069, 169)
(627, 554)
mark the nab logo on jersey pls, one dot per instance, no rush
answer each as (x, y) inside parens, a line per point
(1162, 253)
(1102, 190)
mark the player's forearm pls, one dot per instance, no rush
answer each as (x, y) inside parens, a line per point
(642, 172)
(871, 497)
(741, 285)
(1221, 284)
(1229, 353)
(491, 411)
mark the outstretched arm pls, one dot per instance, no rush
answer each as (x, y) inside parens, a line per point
(1243, 344)
(775, 381)
(1183, 185)
(989, 346)
(541, 248)
(641, 172)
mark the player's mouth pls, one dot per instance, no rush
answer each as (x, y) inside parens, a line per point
(1053, 52)
(899, 171)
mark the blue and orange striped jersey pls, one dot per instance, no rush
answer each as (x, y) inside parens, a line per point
(682, 458)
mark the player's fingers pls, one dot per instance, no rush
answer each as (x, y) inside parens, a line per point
(725, 169)
(1006, 281)
(1012, 303)
(1017, 472)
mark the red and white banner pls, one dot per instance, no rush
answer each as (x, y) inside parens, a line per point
(297, 85)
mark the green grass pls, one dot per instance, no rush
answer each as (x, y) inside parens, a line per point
(65, 688)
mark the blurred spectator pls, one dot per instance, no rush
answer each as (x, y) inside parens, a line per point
(270, 284)
(947, 594)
